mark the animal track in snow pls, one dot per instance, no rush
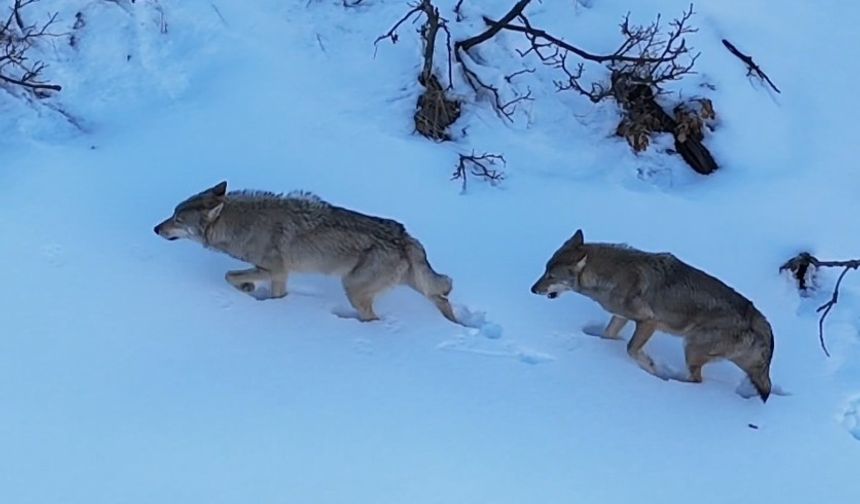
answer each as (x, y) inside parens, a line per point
(223, 298)
(54, 254)
(481, 346)
(362, 346)
(484, 338)
(477, 320)
(851, 417)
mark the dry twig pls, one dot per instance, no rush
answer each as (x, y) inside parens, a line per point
(482, 166)
(752, 67)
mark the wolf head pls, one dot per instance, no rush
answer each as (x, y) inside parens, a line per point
(563, 268)
(761, 381)
(191, 217)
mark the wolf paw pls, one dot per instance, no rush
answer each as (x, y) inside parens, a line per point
(647, 363)
(351, 313)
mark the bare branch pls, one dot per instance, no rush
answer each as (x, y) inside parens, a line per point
(392, 33)
(482, 166)
(495, 28)
(511, 77)
(800, 266)
(17, 38)
(458, 10)
(752, 68)
(504, 109)
(644, 54)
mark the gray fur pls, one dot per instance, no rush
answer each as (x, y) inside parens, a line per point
(658, 291)
(300, 232)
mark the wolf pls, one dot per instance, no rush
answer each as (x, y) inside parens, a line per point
(658, 291)
(299, 232)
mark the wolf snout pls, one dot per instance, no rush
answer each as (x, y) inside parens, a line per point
(542, 289)
(158, 229)
(539, 287)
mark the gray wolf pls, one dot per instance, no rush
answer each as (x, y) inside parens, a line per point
(660, 292)
(300, 232)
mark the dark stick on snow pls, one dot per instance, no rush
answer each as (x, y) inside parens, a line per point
(752, 67)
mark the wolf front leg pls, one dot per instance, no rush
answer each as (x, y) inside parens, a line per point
(278, 286)
(696, 356)
(245, 280)
(644, 331)
(616, 324)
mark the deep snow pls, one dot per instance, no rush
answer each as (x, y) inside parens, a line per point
(131, 372)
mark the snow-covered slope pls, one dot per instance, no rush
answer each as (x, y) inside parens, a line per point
(131, 372)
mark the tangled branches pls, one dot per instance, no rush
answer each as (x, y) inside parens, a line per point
(17, 38)
(482, 166)
(504, 108)
(638, 70)
(434, 111)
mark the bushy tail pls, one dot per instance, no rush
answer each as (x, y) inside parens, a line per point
(421, 277)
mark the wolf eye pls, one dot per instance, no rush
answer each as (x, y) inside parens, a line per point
(178, 219)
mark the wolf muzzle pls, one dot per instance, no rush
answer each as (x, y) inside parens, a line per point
(157, 230)
(540, 290)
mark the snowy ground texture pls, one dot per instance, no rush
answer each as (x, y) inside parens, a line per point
(131, 372)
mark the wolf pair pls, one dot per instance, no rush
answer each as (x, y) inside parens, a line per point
(300, 232)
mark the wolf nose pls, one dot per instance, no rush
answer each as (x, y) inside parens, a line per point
(156, 229)
(534, 289)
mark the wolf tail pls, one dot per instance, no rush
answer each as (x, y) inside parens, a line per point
(424, 279)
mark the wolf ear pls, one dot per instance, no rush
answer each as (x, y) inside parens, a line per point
(217, 190)
(214, 212)
(576, 240)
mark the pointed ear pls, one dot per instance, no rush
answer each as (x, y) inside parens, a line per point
(217, 190)
(214, 212)
(574, 241)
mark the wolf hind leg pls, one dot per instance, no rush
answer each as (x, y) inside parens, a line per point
(370, 277)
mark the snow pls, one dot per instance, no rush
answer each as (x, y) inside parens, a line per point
(131, 372)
